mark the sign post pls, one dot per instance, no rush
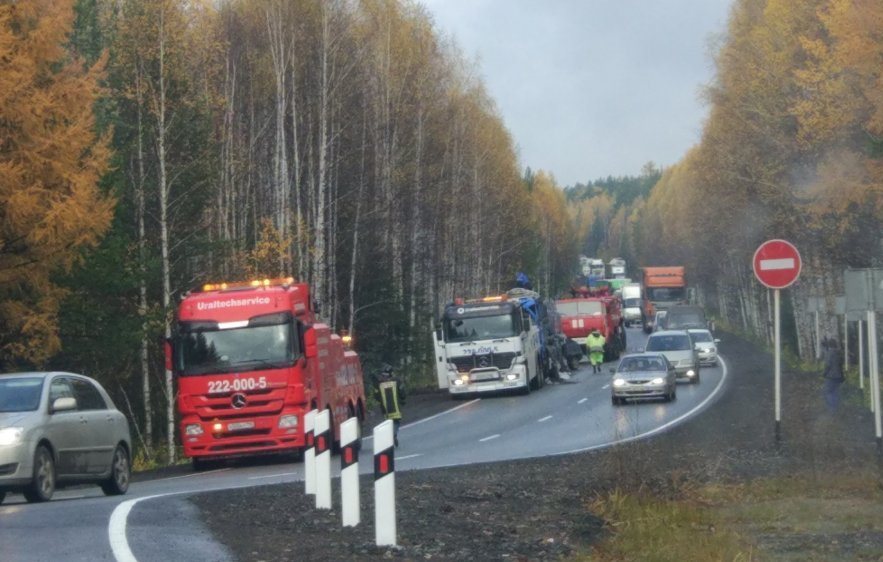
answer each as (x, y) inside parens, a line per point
(777, 265)
(864, 294)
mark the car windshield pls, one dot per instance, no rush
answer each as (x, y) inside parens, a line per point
(701, 336)
(20, 394)
(666, 294)
(688, 319)
(633, 364)
(668, 342)
(480, 328)
(259, 345)
(633, 303)
(576, 308)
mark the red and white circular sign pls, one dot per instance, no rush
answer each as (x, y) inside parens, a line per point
(776, 264)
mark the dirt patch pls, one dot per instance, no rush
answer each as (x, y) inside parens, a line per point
(539, 508)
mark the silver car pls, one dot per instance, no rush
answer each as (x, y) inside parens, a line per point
(643, 375)
(678, 348)
(60, 428)
(706, 346)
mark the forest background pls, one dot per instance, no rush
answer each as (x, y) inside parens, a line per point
(148, 146)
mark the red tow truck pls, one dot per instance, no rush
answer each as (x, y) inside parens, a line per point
(593, 308)
(250, 360)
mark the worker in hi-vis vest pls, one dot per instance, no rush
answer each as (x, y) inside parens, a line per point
(391, 395)
(595, 347)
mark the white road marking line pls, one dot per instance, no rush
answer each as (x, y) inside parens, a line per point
(583, 400)
(272, 475)
(489, 437)
(605, 386)
(191, 475)
(116, 530)
(409, 457)
(547, 418)
(418, 422)
(783, 263)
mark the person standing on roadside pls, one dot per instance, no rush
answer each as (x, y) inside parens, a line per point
(390, 393)
(833, 374)
(595, 347)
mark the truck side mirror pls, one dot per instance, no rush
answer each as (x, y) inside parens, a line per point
(311, 349)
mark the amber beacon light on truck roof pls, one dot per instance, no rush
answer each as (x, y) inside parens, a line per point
(254, 283)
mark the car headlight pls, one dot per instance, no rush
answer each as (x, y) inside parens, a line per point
(619, 382)
(691, 373)
(11, 436)
(707, 350)
(658, 380)
(193, 429)
(287, 421)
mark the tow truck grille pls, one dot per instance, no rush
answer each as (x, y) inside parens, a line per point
(484, 361)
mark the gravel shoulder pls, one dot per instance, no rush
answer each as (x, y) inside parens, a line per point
(539, 508)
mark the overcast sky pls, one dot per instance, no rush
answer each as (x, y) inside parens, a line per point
(590, 88)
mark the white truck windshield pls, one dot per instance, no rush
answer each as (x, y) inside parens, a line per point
(480, 328)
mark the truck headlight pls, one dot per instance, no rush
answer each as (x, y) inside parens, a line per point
(511, 377)
(691, 373)
(287, 421)
(11, 436)
(193, 429)
(619, 382)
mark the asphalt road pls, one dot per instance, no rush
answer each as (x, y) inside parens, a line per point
(153, 522)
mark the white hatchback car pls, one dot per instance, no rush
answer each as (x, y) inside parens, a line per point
(60, 428)
(706, 346)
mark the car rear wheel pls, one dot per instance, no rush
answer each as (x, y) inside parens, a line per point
(42, 486)
(120, 474)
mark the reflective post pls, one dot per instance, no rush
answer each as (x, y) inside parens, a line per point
(384, 485)
(310, 453)
(323, 460)
(861, 354)
(349, 472)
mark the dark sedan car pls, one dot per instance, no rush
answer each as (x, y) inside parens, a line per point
(643, 375)
(60, 428)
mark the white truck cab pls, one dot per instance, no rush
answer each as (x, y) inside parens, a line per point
(631, 303)
(488, 345)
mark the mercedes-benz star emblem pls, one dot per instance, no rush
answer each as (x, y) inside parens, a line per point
(483, 361)
(238, 401)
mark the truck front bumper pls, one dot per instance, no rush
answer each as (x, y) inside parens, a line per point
(243, 436)
(488, 380)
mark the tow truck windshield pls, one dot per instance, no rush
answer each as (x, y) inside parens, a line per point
(481, 328)
(265, 342)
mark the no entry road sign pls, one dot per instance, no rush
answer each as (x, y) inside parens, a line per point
(776, 264)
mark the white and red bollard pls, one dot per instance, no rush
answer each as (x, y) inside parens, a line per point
(384, 485)
(323, 440)
(310, 452)
(349, 472)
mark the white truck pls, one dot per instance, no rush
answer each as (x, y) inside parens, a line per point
(632, 311)
(491, 344)
(617, 268)
(597, 268)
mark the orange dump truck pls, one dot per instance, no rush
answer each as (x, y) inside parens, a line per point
(663, 287)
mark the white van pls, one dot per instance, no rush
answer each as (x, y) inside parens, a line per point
(631, 304)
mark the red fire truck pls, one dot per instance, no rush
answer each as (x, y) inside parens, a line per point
(250, 360)
(591, 309)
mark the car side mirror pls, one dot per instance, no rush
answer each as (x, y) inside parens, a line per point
(64, 404)
(717, 340)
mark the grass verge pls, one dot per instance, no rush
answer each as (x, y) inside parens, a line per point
(806, 517)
